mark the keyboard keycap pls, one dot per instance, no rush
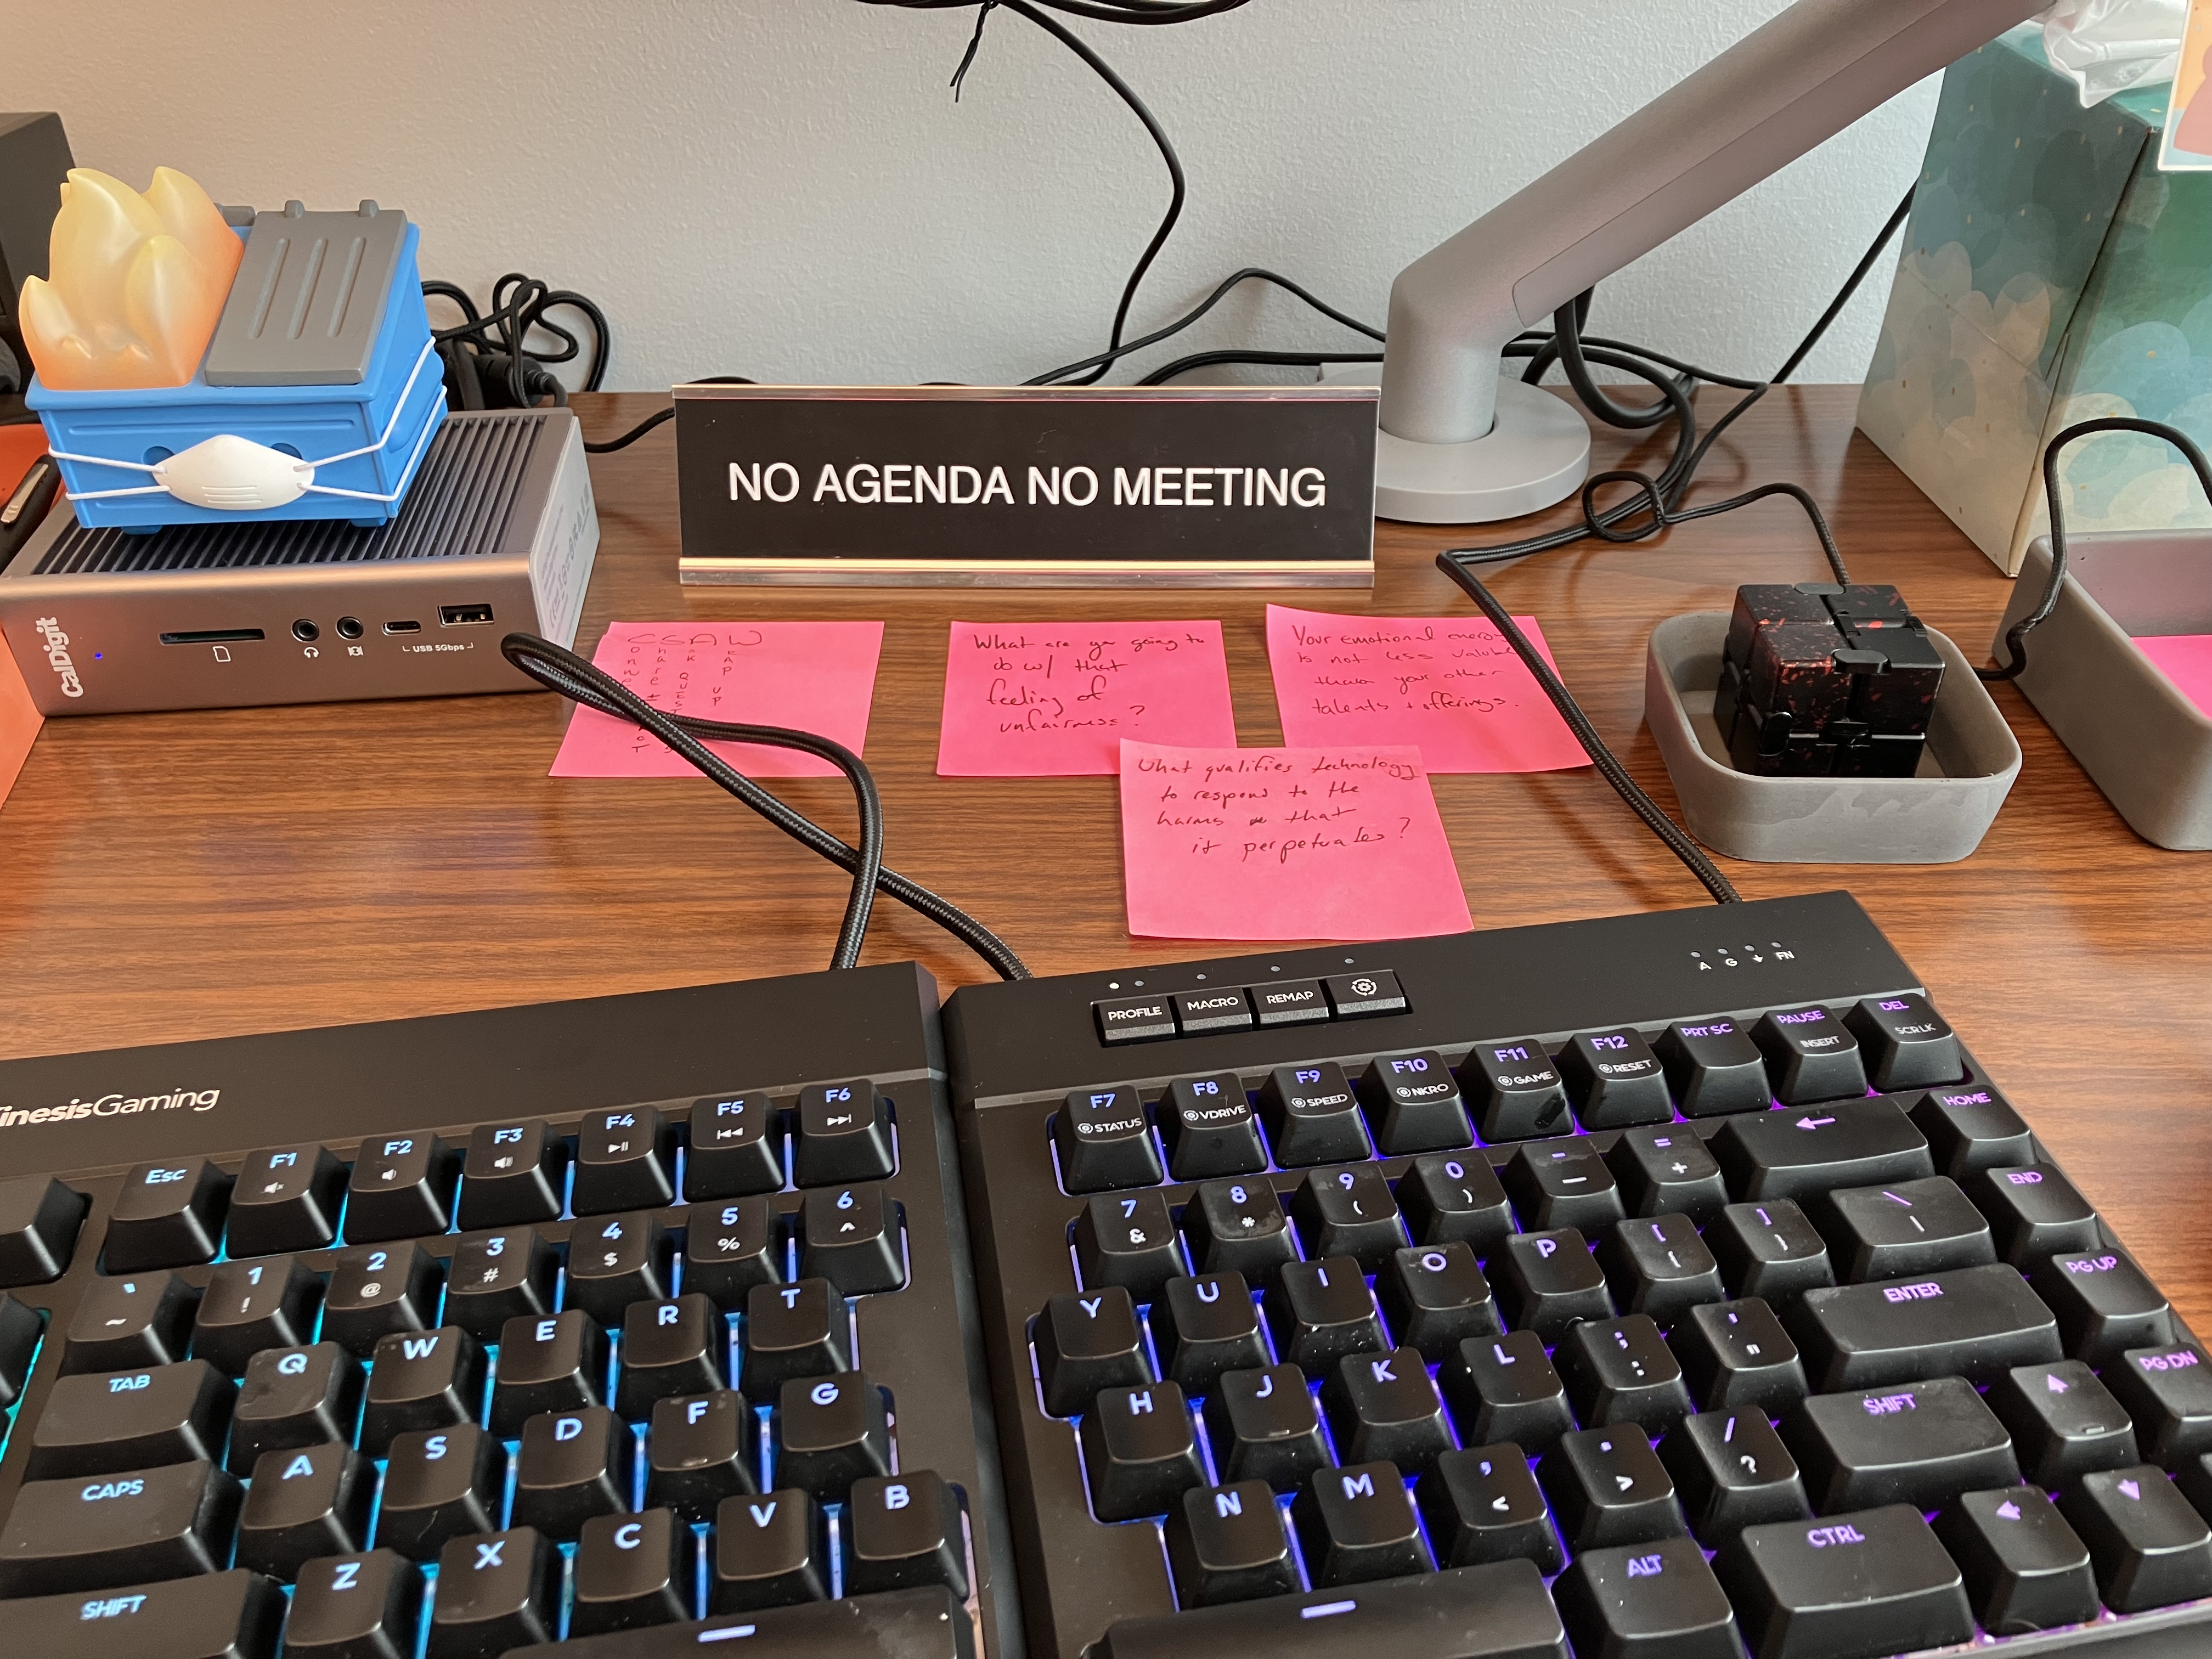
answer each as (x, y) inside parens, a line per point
(512, 1174)
(1105, 1142)
(1732, 1471)
(730, 1248)
(1736, 1354)
(625, 1160)
(1873, 1582)
(1905, 1043)
(1972, 1128)
(1085, 1343)
(1139, 1451)
(1713, 1066)
(167, 1215)
(923, 1624)
(1227, 1544)
(1448, 1200)
(1619, 1370)
(495, 1591)
(671, 1348)
(703, 1448)
(1237, 1225)
(1505, 1388)
(129, 1324)
(2034, 1213)
(2168, 1392)
(1322, 1311)
(1563, 1184)
(1357, 1524)
(402, 1186)
(906, 1533)
(1383, 1408)
(614, 1261)
(631, 1572)
(1974, 1323)
(1210, 1128)
(1770, 1251)
(1312, 1116)
(571, 1467)
(226, 1616)
(1805, 1153)
(286, 1197)
(21, 1329)
(793, 1331)
(1915, 1445)
(1289, 1002)
(1483, 1505)
(2063, 1422)
(1500, 1611)
(2026, 1569)
(1905, 1228)
(1546, 1281)
(1364, 996)
(1199, 1011)
(356, 1606)
(310, 1501)
(2150, 1548)
(438, 1485)
(768, 1552)
(294, 1397)
(1434, 1296)
(88, 1534)
(1615, 1080)
(1608, 1487)
(2104, 1304)
(375, 1291)
(1413, 1104)
(736, 1150)
(496, 1277)
(1264, 1426)
(555, 1363)
(1349, 1212)
(106, 1423)
(1810, 1055)
(38, 1222)
(421, 1380)
(844, 1135)
(252, 1305)
(1668, 1172)
(1127, 1239)
(855, 1237)
(1658, 1597)
(1658, 1266)
(1202, 1327)
(832, 1430)
(1134, 1019)
(1515, 1090)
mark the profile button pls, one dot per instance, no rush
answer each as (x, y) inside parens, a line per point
(1363, 996)
(1224, 1009)
(1133, 1019)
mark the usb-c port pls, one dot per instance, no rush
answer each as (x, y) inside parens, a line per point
(458, 615)
(402, 628)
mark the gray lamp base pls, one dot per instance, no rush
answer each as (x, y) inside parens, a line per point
(1537, 454)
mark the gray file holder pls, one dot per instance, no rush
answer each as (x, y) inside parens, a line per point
(2142, 742)
(1938, 817)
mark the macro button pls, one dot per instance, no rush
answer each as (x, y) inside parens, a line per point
(1224, 1009)
(167, 1215)
(39, 1219)
(1363, 996)
(1290, 1002)
(1133, 1019)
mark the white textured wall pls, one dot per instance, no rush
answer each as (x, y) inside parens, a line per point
(785, 189)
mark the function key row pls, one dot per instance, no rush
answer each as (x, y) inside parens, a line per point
(1214, 1009)
(1504, 1090)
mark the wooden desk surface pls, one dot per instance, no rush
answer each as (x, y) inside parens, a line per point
(173, 876)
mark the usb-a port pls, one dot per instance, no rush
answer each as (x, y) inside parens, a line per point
(462, 616)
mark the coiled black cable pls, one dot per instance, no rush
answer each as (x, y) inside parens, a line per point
(583, 683)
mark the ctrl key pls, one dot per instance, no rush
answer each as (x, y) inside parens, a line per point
(224, 1615)
(1870, 1581)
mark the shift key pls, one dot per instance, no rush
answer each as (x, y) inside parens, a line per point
(225, 1615)
(1974, 1323)
(95, 1532)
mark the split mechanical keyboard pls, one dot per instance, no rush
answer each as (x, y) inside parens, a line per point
(1673, 1286)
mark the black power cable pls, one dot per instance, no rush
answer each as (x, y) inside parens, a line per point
(490, 359)
(583, 683)
(2015, 639)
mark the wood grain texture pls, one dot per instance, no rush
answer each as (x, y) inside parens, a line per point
(173, 876)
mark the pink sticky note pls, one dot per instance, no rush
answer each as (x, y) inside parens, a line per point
(1450, 685)
(1340, 842)
(2186, 660)
(819, 677)
(1054, 699)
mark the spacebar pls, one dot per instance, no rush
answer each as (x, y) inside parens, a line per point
(1501, 1611)
(916, 1624)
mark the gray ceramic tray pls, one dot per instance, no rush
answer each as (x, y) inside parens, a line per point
(1938, 817)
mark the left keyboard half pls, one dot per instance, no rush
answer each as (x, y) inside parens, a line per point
(640, 1318)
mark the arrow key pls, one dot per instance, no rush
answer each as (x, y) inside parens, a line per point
(2149, 1547)
(855, 1237)
(2063, 1421)
(2026, 1569)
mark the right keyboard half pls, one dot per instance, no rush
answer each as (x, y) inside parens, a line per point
(1665, 1284)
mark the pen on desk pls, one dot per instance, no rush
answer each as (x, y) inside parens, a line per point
(26, 507)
